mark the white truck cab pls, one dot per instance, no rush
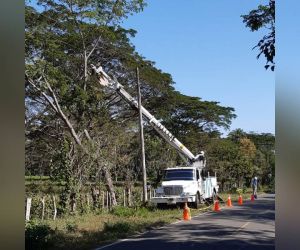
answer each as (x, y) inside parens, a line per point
(185, 184)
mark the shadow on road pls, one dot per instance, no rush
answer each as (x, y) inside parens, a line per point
(250, 226)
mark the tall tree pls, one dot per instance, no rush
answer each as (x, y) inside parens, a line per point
(60, 42)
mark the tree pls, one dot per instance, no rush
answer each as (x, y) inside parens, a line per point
(60, 42)
(247, 152)
(256, 155)
(195, 121)
(264, 17)
(236, 135)
(221, 157)
(265, 159)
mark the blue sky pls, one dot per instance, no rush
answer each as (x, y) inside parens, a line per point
(206, 48)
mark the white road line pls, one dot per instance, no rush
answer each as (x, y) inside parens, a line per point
(243, 226)
(176, 222)
(114, 243)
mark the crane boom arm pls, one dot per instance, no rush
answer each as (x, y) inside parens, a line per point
(114, 85)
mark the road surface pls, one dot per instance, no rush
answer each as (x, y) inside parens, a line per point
(250, 226)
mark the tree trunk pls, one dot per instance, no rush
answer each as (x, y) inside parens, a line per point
(110, 186)
(124, 198)
(103, 200)
(129, 197)
(88, 201)
(95, 196)
(54, 207)
(57, 108)
(43, 208)
(73, 202)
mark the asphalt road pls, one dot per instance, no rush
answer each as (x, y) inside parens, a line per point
(250, 226)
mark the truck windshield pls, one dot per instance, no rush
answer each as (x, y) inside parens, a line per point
(178, 174)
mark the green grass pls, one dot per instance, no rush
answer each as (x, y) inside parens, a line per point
(234, 196)
(91, 230)
(36, 177)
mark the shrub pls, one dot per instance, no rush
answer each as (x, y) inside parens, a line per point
(233, 190)
(239, 191)
(123, 211)
(71, 227)
(37, 236)
(142, 212)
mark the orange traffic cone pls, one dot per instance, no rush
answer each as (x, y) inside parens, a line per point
(217, 206)
(186, 212)
(229, 204)
(240, 201)
(252, 197)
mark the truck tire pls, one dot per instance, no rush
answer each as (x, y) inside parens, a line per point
(197, 202)
(214, 196)
(161, 205)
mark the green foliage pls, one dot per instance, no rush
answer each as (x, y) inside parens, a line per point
(71, 226)
(123, 211)
(34, 178)
(240, 156)
(264, 17)
(239, 191)
(37, 235)
(233, 190)
(127, 212)
(118, 230)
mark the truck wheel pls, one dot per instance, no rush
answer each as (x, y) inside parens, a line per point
(197, 202)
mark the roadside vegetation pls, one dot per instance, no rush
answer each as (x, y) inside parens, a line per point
(92, 229)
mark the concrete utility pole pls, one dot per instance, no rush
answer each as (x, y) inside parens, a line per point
(145, 196)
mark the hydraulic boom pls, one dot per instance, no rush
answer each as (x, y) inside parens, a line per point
(113, 84)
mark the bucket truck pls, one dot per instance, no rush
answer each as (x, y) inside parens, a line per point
(180, 184)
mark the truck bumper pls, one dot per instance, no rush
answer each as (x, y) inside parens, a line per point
(172, 199)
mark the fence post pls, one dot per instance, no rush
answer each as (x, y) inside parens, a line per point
(107, 200)
(102, 199)
(48, 212)
(88, 201)
(110, 201)
(54, 206)
(124, 200)
(43, 207)
(129, 197)
(28, 206)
